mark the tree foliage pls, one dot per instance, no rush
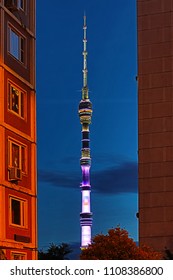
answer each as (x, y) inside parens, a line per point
(117, 245)
(55, 252)
(2, 255)
(168, 254)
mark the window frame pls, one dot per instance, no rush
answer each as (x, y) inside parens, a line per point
(21, 6)
(20, 48)
(23, 162)
(16, 253)
(23, 212)
(22, 106)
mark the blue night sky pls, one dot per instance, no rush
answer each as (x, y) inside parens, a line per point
(112, 68)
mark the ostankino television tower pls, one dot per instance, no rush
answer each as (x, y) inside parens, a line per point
(85, 113)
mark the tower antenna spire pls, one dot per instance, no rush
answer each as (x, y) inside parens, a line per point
(85, 53)
(85, 114)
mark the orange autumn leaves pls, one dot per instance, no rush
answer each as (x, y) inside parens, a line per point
(117, 245)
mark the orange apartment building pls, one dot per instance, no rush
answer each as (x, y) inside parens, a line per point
(155, 116)
(18, 179)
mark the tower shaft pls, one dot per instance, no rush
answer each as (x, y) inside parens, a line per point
(85, 113)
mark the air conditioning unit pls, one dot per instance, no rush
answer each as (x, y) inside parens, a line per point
(12, 5)
(15, 174)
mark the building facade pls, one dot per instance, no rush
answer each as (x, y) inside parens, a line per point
(18, 180)
(155, 116)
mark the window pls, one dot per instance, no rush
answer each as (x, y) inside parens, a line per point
(18, 256)
(17, 156)
(16, 46)
(12, 5)
(15, 5)
(21, 4)
(18, 212)
(16, 100)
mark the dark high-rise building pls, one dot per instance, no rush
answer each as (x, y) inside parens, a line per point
(155, 116)
(18, 180)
